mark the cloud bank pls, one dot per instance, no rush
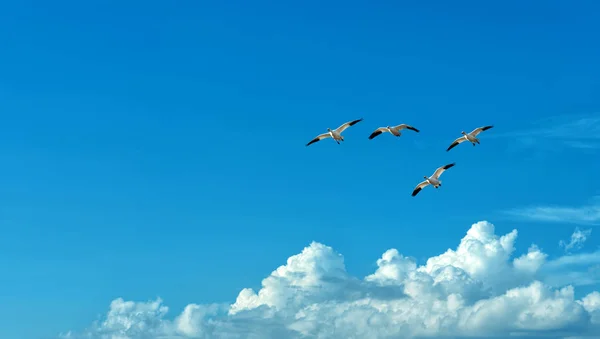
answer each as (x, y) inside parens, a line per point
(476, 290)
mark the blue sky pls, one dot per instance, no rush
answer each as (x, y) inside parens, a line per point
(156, 149)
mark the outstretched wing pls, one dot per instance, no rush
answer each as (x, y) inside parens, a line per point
(403, 126)
(438, 172)
(377, 132)
(456, 142)
(479, 130)
(319, 137)
(346, 125)
(419, 187)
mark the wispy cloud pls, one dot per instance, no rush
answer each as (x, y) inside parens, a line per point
(578, 238)
(574, 269)
(573, 131)
(583, 215)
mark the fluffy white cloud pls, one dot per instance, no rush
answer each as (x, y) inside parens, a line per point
(577, 239)
(591, 303)
(477, 289)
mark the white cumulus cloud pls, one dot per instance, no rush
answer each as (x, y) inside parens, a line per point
(478, 289)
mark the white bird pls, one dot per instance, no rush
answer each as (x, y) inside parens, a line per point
(432, 180)
(393, 130)
(472, 137)
(336, 134)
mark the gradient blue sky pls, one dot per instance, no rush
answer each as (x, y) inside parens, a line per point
(156, 148)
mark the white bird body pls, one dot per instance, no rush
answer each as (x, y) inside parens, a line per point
(433, 180)
(471, 137)
(392, 130)
(335, 134)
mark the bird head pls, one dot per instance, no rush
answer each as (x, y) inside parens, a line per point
(425, 177)
(463, 132)
(328, 129)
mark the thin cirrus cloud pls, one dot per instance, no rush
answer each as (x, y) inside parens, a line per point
(584, 215)
(580, 131)
(478, 289)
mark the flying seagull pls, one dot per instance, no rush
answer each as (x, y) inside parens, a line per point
(432, 180)
(472, 137)
(393, 130)
(336, 134)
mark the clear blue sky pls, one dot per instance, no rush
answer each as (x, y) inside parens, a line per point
(163, 142)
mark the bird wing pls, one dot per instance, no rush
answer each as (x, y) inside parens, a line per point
(377, 132)
(456, 142)
(319, 137)
(403, 126)
(438, 172)
(419, 187)
(346, 125)
(479, 130)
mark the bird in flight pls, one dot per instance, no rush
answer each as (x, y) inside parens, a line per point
(393, 130)
(472, 137)
(335, 134)
(432, 180)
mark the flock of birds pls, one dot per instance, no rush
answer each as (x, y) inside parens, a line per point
(434, 179)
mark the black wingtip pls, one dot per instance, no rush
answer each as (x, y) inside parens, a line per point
(374, 134)
(416, 191)
(487, 127)
(449, 165)
(312, 141)
(356, 121)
